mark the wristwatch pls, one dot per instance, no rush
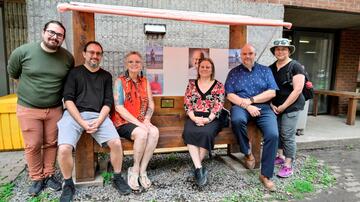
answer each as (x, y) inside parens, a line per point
(252, 100)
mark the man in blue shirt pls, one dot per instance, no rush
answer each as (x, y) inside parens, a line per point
(249, 87)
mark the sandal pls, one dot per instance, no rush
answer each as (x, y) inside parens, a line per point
(130, 178)
(144, 180)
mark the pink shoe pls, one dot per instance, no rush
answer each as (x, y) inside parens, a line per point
(279, 161)
(285, 171)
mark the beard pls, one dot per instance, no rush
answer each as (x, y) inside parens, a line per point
(93, 63)
(52, 44)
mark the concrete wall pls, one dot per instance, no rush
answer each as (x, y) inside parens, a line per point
(121, 34)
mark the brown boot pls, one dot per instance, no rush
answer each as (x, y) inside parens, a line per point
(268, 184)
(249, 161)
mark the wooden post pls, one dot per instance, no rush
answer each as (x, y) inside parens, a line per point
(237, 39)
(83, 31)
(237, 36)
(351, 114)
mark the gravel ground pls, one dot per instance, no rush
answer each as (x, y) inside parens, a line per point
(172, 179)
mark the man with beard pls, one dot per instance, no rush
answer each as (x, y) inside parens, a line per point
(88, 99)
(40, 70)
(250, 87)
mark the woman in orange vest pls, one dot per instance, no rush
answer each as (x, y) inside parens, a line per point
(134, 107)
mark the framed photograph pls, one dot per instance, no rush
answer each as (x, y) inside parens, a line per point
(167, 103)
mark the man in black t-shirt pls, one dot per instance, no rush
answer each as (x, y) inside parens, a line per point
(88, 98)
(289, 101)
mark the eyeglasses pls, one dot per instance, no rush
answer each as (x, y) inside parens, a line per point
(53, 33)
(134, 62)
(95, 53)
(281, 42)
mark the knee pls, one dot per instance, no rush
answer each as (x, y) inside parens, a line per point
(238, 121)
(64, 150)
(140, 135)
(154, 133)
(272, 135)
(115, 144)
(33, 146)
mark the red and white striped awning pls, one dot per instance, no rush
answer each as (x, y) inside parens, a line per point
(197, 17)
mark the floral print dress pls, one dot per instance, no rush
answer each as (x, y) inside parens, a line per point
(202, 104)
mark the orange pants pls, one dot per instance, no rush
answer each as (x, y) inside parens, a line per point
(40, 133)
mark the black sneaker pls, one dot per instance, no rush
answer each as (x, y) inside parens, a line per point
(52, 183)
(68, 192)
(200, 176)
(36, 187)
(121, 186)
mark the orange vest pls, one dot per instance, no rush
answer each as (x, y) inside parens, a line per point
(136, 99)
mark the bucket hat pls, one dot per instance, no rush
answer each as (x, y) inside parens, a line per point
(282, 42)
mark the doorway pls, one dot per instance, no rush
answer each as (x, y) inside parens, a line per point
(315, 50)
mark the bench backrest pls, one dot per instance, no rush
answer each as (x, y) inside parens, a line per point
(169, 111)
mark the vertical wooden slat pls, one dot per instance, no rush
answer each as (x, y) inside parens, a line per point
(237, 39)
(83, 31)
(237, 36)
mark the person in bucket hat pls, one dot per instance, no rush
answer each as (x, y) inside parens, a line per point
(282, 42)
(288, 102)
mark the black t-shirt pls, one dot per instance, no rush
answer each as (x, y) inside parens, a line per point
(90, 91)
(285, 87)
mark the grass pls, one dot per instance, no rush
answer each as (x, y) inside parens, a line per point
(106, 177)
(6, 191)
(311, 176)
(43, 197)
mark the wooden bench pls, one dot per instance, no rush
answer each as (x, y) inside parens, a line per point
(352, 103)
(169, 117)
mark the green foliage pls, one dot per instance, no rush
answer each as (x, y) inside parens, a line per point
(309, 177)
(172, 158)
(349, 147)
(106, 177)
(6, 191)
(43, 197)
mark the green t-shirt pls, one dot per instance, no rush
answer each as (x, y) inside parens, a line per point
(41, 74)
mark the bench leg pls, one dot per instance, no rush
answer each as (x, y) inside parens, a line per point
(255, 137)
(84, 159)
(351, 113)
(315, 104)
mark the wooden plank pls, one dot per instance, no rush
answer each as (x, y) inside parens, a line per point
(237, 36)
(84, 159)
(344, 94)
(237, 39)
(83, 31)
(351, 113)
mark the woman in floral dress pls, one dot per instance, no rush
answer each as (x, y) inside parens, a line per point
(203, 102)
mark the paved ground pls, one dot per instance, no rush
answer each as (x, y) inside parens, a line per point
(11, 164)
(344, 163)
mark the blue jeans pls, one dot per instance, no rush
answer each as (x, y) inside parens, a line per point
(287, 130)
(269, 128)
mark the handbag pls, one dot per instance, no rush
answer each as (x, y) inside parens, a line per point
(224, 118)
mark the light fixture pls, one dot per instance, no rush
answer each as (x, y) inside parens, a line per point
(304, 41)
(310, 52)
(154, 28)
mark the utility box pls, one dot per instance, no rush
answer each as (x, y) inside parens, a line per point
(10, 133)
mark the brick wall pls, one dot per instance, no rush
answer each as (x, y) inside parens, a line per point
(339, 5)
(347, 65)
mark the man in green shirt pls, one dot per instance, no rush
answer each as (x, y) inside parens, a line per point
(40, 70)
